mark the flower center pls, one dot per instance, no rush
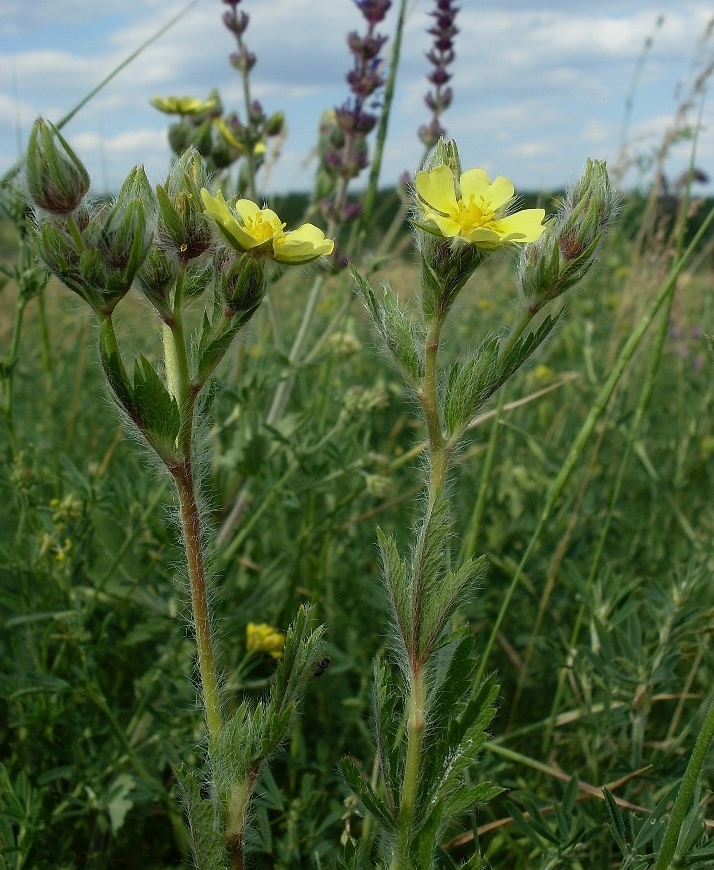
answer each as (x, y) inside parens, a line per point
(473, 213)
(261, 229)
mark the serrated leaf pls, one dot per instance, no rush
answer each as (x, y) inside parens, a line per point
(366, 794)
(213, 349)
(467, 797)
(206, 838)
(470, 385)
(154, 406)
(394, 571)
(388, 715)
(525, 347)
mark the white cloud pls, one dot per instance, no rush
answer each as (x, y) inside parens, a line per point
(536, 88)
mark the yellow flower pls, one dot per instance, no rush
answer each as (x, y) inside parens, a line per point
(247, 227)
(261, 637)
(227, 134)
(183, 105)
(475, 209)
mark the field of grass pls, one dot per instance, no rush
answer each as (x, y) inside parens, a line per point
(603, 656)
(322, 549)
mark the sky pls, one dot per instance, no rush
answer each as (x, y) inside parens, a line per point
(538, 86)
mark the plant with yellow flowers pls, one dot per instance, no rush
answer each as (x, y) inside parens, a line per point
(166, 246)
(429, 683)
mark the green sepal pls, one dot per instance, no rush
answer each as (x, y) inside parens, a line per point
(156, 409)
(207, 844)
(171, 223)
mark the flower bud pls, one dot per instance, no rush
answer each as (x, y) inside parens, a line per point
(123, 243)
(56, 177)
(182, 227)
(240, 281)
(156, 279)
(274, 124)
(179, 136)
(60, 251)
(566, 250)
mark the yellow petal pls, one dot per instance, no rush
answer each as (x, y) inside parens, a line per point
(235, 233)
(523, 226)
(499, 192)
(485, 238)
(436, 189)
(474, 182)
(302, 245)
(447, 227)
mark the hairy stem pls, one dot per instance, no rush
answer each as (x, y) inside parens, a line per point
(416, 724)
(191, 530)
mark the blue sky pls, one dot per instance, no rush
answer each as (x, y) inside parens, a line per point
(539, 86)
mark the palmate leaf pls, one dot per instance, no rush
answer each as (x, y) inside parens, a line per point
(252, 735)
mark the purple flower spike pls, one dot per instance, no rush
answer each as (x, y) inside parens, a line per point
(345, 153)
(440, 56)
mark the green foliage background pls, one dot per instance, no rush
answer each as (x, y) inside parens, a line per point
(97, 706)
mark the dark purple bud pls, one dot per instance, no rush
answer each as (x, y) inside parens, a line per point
(351, 211)
(243, 60)
(431, 133)
(364, 82)
(256, 112)
(439, 76)
(354, 121)
(373, 11)
(365, 48)
(332, 160)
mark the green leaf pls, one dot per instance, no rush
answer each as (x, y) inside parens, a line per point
(213, 349)
(388, 717)
(205, 827)
(366, 794)
(155, 407)
(397, 331)
(525, 347)
(395, 579)
(470, 385)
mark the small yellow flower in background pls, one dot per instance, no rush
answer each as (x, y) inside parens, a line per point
(475, 208)
(247, 227)
(542, 372)
(227, 134)
(183, 105)
(261, 637)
